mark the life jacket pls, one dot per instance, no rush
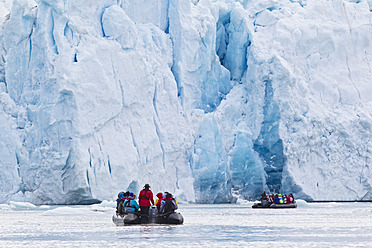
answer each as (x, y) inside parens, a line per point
(144, 196)
(280, 199)
(128, 207)
(158, 203)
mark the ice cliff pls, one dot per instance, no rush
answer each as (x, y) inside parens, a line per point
(202, 98)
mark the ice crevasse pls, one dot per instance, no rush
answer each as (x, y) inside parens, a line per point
(208, 99)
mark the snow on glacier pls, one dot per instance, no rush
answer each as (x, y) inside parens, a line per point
(198, 98)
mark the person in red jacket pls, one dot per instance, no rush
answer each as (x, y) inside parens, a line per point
(158, 201)
(145, 197)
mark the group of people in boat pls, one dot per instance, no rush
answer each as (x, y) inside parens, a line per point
(277, 199)
(126, 202)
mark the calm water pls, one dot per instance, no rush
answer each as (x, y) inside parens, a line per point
(310, 225)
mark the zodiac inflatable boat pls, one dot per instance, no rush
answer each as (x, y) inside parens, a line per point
(173, 218)
(274, 205)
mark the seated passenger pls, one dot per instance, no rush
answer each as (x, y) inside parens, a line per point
(130, 205)
(264, 199)
(285, 199)
(158, 201)
(271, 198)
(280, 199)
(290, 198)
(264, 196)
(119, 199)
(276, 199)
(168, 204)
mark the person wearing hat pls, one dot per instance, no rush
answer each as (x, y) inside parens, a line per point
(145, 199)
(130, 205)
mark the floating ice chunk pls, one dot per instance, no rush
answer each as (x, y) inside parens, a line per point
(68, 211)
(22, 205)
(5, 207)
(301, 203)
(44, 207)
(104, 206)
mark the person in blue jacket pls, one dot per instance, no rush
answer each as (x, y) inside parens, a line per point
(130, 205)
(276, 199)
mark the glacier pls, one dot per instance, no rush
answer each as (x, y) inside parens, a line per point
(208, 99)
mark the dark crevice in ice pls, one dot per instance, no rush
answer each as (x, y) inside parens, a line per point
(109, 164)
(268, 144)
(222, 37)
(53, 40)
(18, 165)
(135, 143)
(101, 20)
(67, 171)
(88, 178)
(167, 28)
(90, 158)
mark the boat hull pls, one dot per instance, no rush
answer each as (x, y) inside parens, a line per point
(154, 218)
(172, 219)
(128, 219)
(274, 205)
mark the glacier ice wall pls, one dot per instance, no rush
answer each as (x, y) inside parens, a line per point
(200, 98)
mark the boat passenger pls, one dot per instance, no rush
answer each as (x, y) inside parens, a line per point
(271, 198)
(276, 199)
(264, 199)
(290, 198)
(145, 197)
(130, 205)
(285, 199)
(168, 204)
(280, 199)
(158, 201)
(118, 200)
(264, 196)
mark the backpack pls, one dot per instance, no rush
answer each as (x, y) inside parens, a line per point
(170, 205)
(128, 207)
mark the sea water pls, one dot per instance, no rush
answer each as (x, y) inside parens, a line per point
(227, 225)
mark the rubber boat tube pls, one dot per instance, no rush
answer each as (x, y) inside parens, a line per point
(274, 205)
(173, 218)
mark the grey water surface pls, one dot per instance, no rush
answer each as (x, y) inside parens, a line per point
(227, 225)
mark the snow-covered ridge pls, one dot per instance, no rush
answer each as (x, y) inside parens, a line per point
(199, 98)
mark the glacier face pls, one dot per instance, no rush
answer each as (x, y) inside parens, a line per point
(199, 98)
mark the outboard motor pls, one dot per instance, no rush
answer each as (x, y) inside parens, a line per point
(153, 212)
